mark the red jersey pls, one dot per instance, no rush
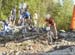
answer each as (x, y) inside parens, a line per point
(50, 21)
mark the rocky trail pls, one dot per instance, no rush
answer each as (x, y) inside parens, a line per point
(39, 46)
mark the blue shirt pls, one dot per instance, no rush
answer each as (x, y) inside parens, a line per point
(26, 15)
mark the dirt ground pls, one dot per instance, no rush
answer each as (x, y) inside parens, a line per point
(33, 46)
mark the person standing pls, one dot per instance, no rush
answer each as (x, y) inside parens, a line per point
(35, 18)
(13, 15)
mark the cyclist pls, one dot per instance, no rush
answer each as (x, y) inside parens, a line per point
(24, 14)
(51, 24)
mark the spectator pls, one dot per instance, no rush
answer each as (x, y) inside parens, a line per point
(13, 15)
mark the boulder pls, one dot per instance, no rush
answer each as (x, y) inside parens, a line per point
(20, 53)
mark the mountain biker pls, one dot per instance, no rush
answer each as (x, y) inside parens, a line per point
(50, 23)
(24, 14)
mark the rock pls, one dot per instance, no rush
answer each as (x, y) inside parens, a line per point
(10, 44)
(44, 42)
(64, 51)
(19, 44)
(63, 35)
(62, 31)
(29, 47)
(4, 53)
(2, 45)
(12, 52)
(0, 53)
(20, 53)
